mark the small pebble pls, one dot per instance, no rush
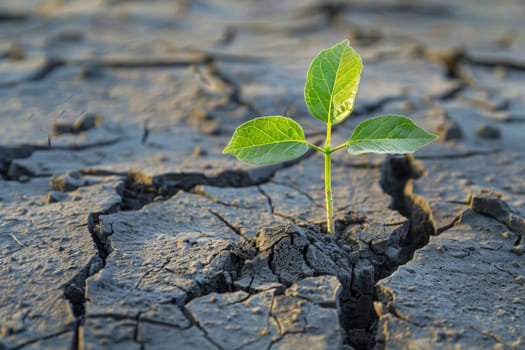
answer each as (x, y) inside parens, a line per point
(160, 158)
(66, 183)
(488, 132)
(21, 211)
(54, 196)
(199, 152)
(449, 129)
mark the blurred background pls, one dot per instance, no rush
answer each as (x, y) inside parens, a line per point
(158, 71)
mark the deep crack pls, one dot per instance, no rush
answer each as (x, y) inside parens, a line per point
(75, 289)
(139, 189)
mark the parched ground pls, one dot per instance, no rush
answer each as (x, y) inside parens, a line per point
(122, 226)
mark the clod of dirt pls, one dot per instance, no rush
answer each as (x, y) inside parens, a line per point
(488, 132)
(16, 52)
(67, 182)
(9, 153)
(489, 203)
(53, 197)
(286, 254)
(449, 129)
(204, 121)
(81, 124)
(283, 255)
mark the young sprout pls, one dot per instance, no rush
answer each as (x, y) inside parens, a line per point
(330, 90)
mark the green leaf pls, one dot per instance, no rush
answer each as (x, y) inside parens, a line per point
(332, 82)
(267, 140)
(388, 134)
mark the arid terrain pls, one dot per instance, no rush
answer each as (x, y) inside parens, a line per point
(123, 226)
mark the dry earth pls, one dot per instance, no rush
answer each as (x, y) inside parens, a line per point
(122, 226)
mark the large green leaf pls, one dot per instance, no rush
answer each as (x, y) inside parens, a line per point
(267, 140)
(332, 82)
(388, 134)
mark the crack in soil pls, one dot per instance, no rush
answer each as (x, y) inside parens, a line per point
(296, 247)
(495, 62)
(40, 74)
(397, 175)
(448, 226)
(294, 252)
(272, 208)
(196, 58)
(147, 273)
(268, 199)
(9, 154)
(236, 95)
(198, 190)
(36, 340)
(136, 331)
(227, 223)
(194, 322)
(139, 189)
(495, 337)
(301, 191)
(75, 289)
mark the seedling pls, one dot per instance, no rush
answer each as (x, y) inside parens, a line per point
(330, 90)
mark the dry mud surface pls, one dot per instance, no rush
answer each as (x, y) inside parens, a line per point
(122, 226)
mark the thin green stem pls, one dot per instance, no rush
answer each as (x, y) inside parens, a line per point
(343, 145)
(328, 180)
(317, 148)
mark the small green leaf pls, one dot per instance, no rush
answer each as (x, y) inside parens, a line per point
(267, 140)
(388, 134)
(332, 82)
